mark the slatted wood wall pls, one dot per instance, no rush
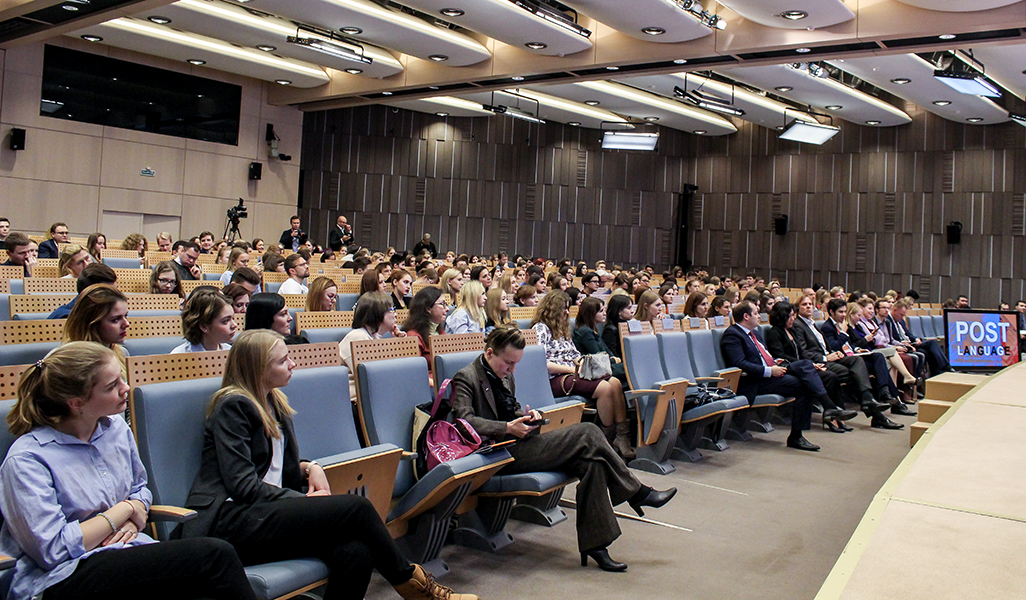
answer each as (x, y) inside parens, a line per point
(867, 210)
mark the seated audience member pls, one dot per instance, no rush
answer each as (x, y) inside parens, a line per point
(273, 262)
(164, 241)
(575, 295)
(384, 270)
(766, 302)
(962, 302)
(249, 279)
(741, 348)
(719, 307)
(73, 259)
(697, 305)
(537, 281)
(208, 323)
(255, 492)
(496, 309)
(164, 280)
(668, 293)
(259, 247)
(75, 501)
(137, 242)
(485, 395)
(428, 310)
(912, 361)
(90, 275)
(268, 311)
(507, 283)
(555, 281)
(101, 316)
(96, 244)
(526, 295)
(650, 307)
(322, 295)
(452, 282)
(427, 276)
(373, 318)
(935, 355)
(372, 281)
(19, 252)
(862, 334)
(586, 337)
(789, 351)
(402, 285)
(591, 283)
(237, 259)
(58, 235)
(298, 270)
(470, 315)
(482, 275)
(552, 324)
(223, 256)
(185, 262)
(239, 297)
(620, 309)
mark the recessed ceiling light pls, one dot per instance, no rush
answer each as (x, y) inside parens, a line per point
(517, 78)
(266, 48)
(442, 114)
(452, 12)
(283, 82)
(158, 20)
(680, 61)
(802, 50)
(651, 119)
(196, 61)
(351, 30)
(354, 71)
(386, 93)
(592, 102)
(653, 30)
(901, 80)
(794, 15)
(439, 57)
(536, 45)
(833, 107)
(92, 38)
(69, 7)
(574, 123)
(942, 102)
(947, 36)
(783, 88)
(974, 119)
(612, 68)
(700, 132)
(432, 87)
(872, 122)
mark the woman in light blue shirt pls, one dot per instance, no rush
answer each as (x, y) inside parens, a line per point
(236, 260)
(74, 498)
(470, 317)
(208, 323)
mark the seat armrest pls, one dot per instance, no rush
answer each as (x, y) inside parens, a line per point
(731, 377)
(369, 472)
(562, 414)
(6, 562)
(177, 514)
(410, 455)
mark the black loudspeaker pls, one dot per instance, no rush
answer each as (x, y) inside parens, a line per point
(17, 139)
(780, 225)
(955, 233)
(255, 169)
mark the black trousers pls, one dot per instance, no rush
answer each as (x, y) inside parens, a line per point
(582, 451)
(879, 367)
(344, 531)
(790, 386)
(935, 356)
(175, 570)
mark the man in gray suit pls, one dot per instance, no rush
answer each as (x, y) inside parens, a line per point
(485, 397)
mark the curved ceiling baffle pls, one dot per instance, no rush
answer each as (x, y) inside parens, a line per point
(256, 29)
(792, 14)
(958, 5)
(1005, 64)
(641, 105)
(160, 40)
(548, 107)
(758, 108)
(387, 28)
(915, 83)
(639, 16)
(538, 30)
(446, 106)
(824, 93)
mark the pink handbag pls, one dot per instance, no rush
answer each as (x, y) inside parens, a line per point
(448, 441)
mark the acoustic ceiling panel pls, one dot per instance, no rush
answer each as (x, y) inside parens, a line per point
(792, 14)
(633, 18)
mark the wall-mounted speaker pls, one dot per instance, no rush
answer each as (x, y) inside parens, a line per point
(255, 170)
(955, 233)
(17, 139)
(780, 225)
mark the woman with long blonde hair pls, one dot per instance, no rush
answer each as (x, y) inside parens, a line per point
(322, 295)
(470, 315)
(496, 309)
(72, 260)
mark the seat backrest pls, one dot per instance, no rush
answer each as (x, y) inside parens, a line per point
(23, 354)
(153, 345)
(447, 365)
(717, 335)
(915, 326)
(324, 416)
(121, 263)
(642, 361)
(523, 323)
(926, 324)
(332, 334)
(702, 351)
(346, 302)
(675, 353)
(938, 325)
(532, 379)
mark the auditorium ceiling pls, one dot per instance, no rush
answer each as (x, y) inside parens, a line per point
(696, 66)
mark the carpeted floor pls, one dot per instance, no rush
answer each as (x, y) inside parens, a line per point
(757, 521)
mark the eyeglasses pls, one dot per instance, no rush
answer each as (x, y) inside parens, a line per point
(166, 281)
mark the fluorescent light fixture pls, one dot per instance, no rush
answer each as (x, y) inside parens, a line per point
(50, 106)
(967, 82)
(567, 105)
(330, 47)
(650, 100)
(1015, 117)
(514, 112)
(708, 101)
(627, 140)
(808, 133)
(550, 16)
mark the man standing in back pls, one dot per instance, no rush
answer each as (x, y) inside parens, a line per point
(293, 237)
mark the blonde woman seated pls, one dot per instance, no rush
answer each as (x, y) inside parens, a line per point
(470, 316)
(452, 283)
(552, 324)
(237, 259)
(322, 295)
(208, 323)
(100, 315)
(496, 309)
(75, 529)
(72, 260)
(863, 333)
(373, 318)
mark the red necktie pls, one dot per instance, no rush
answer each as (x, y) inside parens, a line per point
(766, 358)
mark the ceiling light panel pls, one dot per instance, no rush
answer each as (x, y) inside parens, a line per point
(822, 13)
(924, 90)
(507, 22)
(456, 107)
(548, 106)
(160, 40)
(638, 104)
(383, 27)
(233, 23)
(758, 109)
(631, 18)
(857, 107)
(958, 5)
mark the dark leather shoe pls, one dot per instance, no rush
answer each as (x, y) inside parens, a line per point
(901, 409)
(882, 422)
(652, 498)
(601, 556)
(800, 443)
(837, 414)
(874, 406)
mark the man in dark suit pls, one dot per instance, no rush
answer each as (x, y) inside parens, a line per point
(485, 397)
(935, 356)
(58, 235)
(761, 374)
(293, 237)
(340, 235)
(425, 244)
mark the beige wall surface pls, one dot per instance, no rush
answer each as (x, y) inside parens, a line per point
(73, 172)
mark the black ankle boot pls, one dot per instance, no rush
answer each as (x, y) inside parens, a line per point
(601, 557)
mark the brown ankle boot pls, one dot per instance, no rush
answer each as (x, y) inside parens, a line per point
(422, 586)
(622, 443)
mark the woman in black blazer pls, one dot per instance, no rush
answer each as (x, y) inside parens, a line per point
(783, 345)
(255, 492)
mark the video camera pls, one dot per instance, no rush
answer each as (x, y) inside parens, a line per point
(238, 212)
